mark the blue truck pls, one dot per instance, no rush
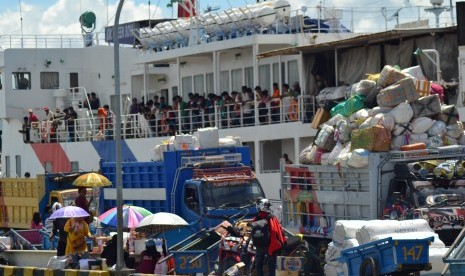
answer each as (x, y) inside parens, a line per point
(204, 187)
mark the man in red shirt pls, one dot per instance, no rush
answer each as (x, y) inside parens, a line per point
(32, 117)
(81, 201)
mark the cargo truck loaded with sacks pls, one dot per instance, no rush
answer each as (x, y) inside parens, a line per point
(391, 150)
(204, 186)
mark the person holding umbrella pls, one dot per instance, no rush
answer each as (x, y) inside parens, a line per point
(81, 201)
(58, 227)
(77, 230)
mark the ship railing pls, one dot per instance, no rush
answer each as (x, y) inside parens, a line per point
(170, 122)
(49, 41)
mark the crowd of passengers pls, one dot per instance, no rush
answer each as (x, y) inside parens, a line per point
(235, 109)
(156, 117)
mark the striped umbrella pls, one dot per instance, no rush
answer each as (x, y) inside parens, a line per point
(132, 215)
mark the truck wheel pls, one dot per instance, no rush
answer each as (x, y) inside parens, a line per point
(369, 267)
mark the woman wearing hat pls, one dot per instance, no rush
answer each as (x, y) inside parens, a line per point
(148, 258)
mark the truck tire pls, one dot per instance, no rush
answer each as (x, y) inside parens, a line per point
(369, 267)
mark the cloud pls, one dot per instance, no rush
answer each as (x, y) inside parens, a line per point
(62, 16)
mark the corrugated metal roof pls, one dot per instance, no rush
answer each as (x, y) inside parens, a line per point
(364, 39)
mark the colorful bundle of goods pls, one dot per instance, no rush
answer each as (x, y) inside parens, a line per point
(393, 110)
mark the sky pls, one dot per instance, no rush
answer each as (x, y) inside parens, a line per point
(62, 16)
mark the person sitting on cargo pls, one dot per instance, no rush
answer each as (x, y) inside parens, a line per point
(36, 222)
(148, 258)
(81, 201)
(77, 230)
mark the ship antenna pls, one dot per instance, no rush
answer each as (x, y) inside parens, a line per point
(21, 20)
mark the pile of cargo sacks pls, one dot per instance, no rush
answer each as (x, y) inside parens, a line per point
(393, 110)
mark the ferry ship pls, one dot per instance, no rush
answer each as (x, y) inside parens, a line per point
(205, 54)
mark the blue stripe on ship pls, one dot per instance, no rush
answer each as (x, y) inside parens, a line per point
(106, 151)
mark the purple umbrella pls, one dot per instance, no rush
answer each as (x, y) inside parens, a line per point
(69, 212)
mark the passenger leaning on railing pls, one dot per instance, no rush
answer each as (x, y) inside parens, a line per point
(290, 103)
(248, 107)
(70, 119)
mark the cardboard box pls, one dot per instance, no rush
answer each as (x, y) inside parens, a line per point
(290, 264)
(321, 116)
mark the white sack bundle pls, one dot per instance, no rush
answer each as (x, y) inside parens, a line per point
(332, 158)
(398, 141)
(359, 158)
(378, 109)
(324, 158)
(422, 124)
(359, 115)
(379, 227)
(346, 229)
(334, 251)
(402, 113)
(418, 138)
(364, 87)
(461, 140)
(435, 141)
(438, 128)
(454, 130)
(414, 71)
(402, 129)
(336, 119)
(342, 132)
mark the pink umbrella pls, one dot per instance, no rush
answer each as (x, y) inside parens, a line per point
(132, 215)
(69, 212)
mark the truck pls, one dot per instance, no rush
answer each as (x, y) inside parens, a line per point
(22, 197)
(204, 186)
(395, 185)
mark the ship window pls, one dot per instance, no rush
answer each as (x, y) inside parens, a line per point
(209, 86)
(186, 85)
(249, 77)
(7, 167)
(49, 80)
(276, 77)
(224, 81)
(48, 166)
(199, 86)
(293, 72)
(74, 166)
(18, 165)
(174, 90)
(1, 80)
(236, 79)
(73, 79)
(264, 79)
(270, 154)
(21, 80)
